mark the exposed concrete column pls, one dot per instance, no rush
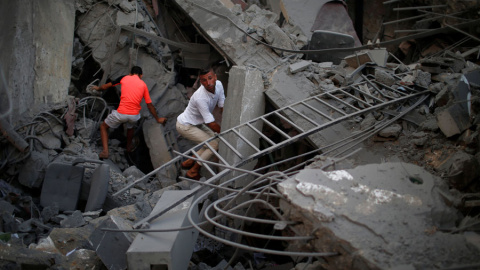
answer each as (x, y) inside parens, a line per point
(16, 58)
(245, 101)
(53, 30)
(36, 34)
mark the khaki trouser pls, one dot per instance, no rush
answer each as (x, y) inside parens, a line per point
(199, 134)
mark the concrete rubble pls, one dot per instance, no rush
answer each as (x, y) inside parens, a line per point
(403, 197)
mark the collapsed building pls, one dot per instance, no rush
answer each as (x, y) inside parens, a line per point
(345, 143)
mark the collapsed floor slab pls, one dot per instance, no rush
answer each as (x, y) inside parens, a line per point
(169, 250)
(377, 216)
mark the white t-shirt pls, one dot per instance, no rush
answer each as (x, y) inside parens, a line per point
(201, 105)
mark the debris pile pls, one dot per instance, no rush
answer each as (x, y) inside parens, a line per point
(389, 139)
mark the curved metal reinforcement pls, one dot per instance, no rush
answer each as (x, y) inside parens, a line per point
(339, 104)
(328, 101)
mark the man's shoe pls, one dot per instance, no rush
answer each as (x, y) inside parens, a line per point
(187, 164)
(194, 172)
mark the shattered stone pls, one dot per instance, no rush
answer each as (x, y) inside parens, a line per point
(299, 66)
(6, 207)
(429, 125)
(277, 38)
(368, 121)
(45, 244)
(384, 77)
(68, 239)
(392, 131)
(73, 221)
(110, 246)
(461, 169)
(33, 172)
(127, 6)
(422, 78)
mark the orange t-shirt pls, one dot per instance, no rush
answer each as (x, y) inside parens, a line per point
(133, 90)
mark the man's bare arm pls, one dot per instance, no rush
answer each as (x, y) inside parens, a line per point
(102, 87)
(153, 111)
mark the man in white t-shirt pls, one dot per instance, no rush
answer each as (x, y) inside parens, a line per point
(197, 123)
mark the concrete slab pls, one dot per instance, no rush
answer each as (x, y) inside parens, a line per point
(303, 13)
(154, 135)
(165, 250)
(299, 66)
(286, 89)
(377, 216)
(112, 246)
(226, 36)
(245, 102)
(61, 186)
(322, 39)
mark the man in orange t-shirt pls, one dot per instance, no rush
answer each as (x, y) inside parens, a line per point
(134, 90)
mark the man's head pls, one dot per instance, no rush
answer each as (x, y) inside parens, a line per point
(136, 70)
(208, 79)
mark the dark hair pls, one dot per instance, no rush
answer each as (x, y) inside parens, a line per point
(136, 70)
(205, 70)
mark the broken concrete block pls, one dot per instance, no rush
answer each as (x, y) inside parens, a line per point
(169, 250)
(384, 77)
(396, 201)
(275, 36)
(73, 221)
(62, 186)
(442, 98)
(112, 246)
(299, 66)
(453, 120)
(358, 59)
(127, 6)
(326, 39)
(392, 131)
(379, 56)
(129, 19)
(83, 259)
(429, 125)
(419, 138)
(68, 239)
(461, 169)
(6, 207)
(33, 172)
(134, 172)
(422, 78)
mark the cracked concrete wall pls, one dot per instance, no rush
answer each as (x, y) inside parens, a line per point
(233, 42)
(37, 41)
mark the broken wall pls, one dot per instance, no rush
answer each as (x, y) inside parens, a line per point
(36, 41)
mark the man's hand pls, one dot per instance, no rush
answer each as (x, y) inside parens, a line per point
(214, 126)
(161, 120)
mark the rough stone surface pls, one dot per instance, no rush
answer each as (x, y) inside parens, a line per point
(384, 77)
(392, 131)
(36, 63)
(355, 211)
(156, 142)
(461, 169)
(280, 94)
(111, 246)
(33, 171)
(228, 37)
(246, 101)
(73, 221)
(68, 239)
